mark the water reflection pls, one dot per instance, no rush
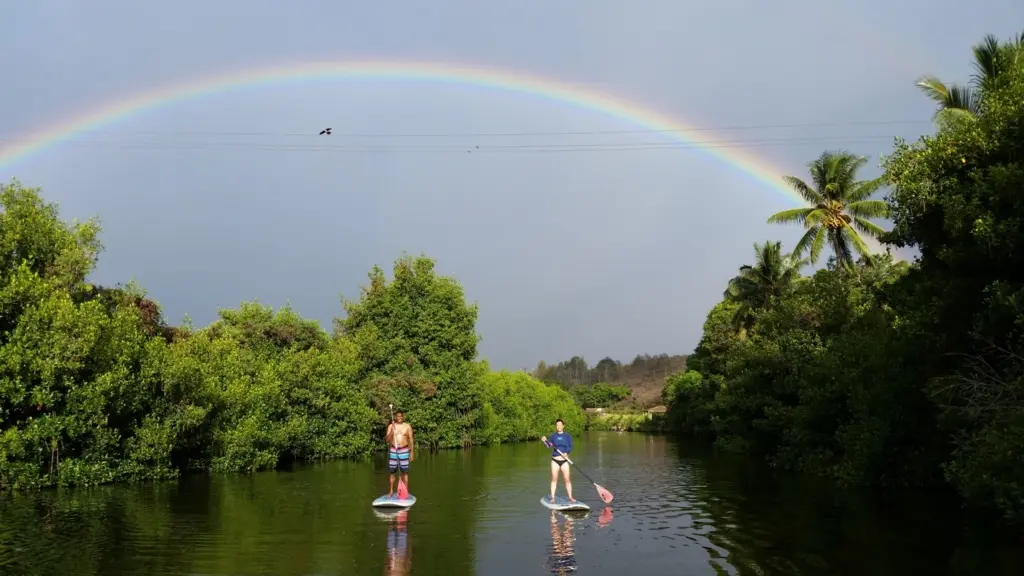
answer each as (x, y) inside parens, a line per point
(679, 509)
(398, 549)
(562, 558)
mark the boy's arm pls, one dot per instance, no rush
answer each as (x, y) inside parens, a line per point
(390, 432)
(412, 441)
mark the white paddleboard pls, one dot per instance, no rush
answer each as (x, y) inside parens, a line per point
(386, 501)
(563, 503)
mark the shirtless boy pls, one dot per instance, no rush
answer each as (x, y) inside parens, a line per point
(399, 437)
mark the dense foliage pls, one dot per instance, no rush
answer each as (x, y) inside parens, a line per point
(94, 387)
(576, 370)
(636, 384)
(883, 372)
(599, 395)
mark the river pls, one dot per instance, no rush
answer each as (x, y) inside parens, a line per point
(678, 509)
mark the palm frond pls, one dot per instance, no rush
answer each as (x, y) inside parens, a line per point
(818, 244)
(846, 174)
(805, 241)
(853, 239)
(840, 247)
(865, 189)
(816, 217)
(934, 88)
(788, 216)
(868, 227)
(869, 209)
(809, 194)
(986, 61)
(818, 169)
(951, 97)
(742, 318)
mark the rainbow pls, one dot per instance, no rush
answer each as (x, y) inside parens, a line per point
(554, 90)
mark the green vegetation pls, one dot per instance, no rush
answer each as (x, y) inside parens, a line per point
(599, 395)
(642, 379)
(624, 421)
(878, 371)
(95, 387)
(840, 205)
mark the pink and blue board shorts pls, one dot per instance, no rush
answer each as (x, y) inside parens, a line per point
(398, 458)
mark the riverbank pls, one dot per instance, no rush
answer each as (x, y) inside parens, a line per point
(623, 421)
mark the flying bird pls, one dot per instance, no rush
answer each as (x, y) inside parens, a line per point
(325, 131)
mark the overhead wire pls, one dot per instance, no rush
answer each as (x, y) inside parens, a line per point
(328, 143)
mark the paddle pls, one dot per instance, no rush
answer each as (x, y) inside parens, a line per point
(603, 492)
(403, 491)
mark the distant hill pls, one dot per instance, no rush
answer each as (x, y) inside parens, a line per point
(645, 375)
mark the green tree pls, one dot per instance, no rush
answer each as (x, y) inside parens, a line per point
(840, 208)
(992, 59)
(417, 334)
(957, 198)
(95, 387)
(71, 393)
(759, 286)
(518, 407)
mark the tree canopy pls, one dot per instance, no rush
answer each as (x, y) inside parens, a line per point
(95, 387)
(891, 372)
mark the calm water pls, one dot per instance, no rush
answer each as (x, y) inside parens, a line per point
(677, 510)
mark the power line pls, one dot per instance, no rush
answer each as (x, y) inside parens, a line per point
(476, 148)
(509, 134)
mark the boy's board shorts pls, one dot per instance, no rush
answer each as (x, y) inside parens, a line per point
(398, 458)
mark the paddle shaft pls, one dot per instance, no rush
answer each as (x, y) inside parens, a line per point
(394, 441)
(563, 455)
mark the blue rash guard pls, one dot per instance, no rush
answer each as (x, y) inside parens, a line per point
(561, 441)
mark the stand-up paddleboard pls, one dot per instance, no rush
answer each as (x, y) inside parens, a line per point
(386, 501)
(563, 503)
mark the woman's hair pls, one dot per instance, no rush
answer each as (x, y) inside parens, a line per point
(559, 420)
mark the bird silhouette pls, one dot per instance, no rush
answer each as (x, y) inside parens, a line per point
(326, 131)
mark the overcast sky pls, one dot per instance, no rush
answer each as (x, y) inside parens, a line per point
(586, 251)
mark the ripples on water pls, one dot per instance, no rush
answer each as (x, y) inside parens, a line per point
(676, 511)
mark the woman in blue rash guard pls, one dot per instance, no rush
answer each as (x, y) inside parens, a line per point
(559, 441)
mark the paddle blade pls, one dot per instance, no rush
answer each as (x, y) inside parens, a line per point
(604, 494)
(403, 490)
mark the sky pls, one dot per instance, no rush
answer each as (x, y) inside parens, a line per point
(609, 241)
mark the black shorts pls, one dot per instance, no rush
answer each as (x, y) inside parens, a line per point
(559, 462)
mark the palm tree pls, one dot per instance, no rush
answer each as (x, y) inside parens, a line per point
(759, 286)
(991, 60)
(839, 207)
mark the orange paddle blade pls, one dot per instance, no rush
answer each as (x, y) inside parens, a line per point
(604, 494)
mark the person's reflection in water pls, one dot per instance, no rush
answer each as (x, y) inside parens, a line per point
(563, 558)
(399, 552)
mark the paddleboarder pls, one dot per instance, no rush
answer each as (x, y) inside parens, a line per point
(400, 438)
(559, 441)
